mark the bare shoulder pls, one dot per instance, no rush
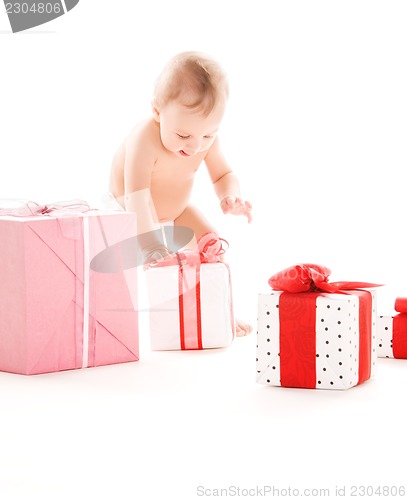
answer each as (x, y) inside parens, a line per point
(214, 153)
(141, 150)
(145, 136)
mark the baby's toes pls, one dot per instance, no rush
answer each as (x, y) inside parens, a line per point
(243, 328)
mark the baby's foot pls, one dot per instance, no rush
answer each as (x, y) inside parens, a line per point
(242, 328)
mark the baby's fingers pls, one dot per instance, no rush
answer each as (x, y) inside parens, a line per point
(248, 211)
(227, 204)
(236, 206)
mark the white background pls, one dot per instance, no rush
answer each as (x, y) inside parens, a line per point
(316, 131)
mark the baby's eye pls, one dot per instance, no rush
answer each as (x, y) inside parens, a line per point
(208, 136)
(183, 136)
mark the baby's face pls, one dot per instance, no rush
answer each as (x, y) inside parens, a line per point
(187, 132)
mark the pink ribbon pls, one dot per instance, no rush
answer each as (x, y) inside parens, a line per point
(27, 208)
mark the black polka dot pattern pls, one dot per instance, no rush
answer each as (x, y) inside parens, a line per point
(336, 366)
(385, 336)
(337, 340)
(268, 361)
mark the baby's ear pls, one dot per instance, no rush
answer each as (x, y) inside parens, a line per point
(155, 110)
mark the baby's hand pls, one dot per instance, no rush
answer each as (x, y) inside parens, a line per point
(154, 255)
(236, 206)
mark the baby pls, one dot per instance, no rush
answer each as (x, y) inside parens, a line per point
(153, 170)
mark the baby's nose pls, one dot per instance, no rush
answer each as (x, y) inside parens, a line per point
(194, 146)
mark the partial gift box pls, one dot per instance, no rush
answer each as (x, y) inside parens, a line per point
(190, 299)
(392, 332)
(315, 339)
(57, 310)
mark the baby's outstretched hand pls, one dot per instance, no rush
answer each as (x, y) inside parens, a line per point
(236, 206)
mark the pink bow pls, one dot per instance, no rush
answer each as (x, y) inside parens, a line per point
(27, 208)
(311, 278)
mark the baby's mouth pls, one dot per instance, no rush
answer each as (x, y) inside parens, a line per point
(182, 153)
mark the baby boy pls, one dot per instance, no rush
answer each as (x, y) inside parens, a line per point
(153, 170)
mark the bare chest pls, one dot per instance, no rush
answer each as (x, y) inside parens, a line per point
(171, 169)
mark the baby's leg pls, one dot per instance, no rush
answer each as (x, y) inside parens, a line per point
(191, 217)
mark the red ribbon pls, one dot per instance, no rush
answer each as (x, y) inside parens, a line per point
(297, 340)
(189, 299)
(400, 305)
(209, 250)
(298, 321)
(399, 336)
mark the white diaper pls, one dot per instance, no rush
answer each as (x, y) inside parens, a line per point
(109, 202)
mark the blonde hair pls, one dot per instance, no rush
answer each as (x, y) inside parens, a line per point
(194, 79)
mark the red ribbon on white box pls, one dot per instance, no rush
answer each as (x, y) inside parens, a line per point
(209, 250)
(297, 313)
(301, 285)
(189, 302)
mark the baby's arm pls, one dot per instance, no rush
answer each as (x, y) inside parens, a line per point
(226, 184)
(138, 166)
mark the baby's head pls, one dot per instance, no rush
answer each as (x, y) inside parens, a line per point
(189, 102)
(194, 80)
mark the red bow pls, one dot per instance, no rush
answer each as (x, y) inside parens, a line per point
(311, 278)
(209, 249)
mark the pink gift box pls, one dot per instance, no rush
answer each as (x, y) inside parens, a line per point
(56, 312)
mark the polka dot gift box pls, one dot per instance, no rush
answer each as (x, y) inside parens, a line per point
(315, 334)
(392, 332)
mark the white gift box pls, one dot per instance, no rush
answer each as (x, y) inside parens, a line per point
(385, 337)
(334, 359)
(190, 306)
